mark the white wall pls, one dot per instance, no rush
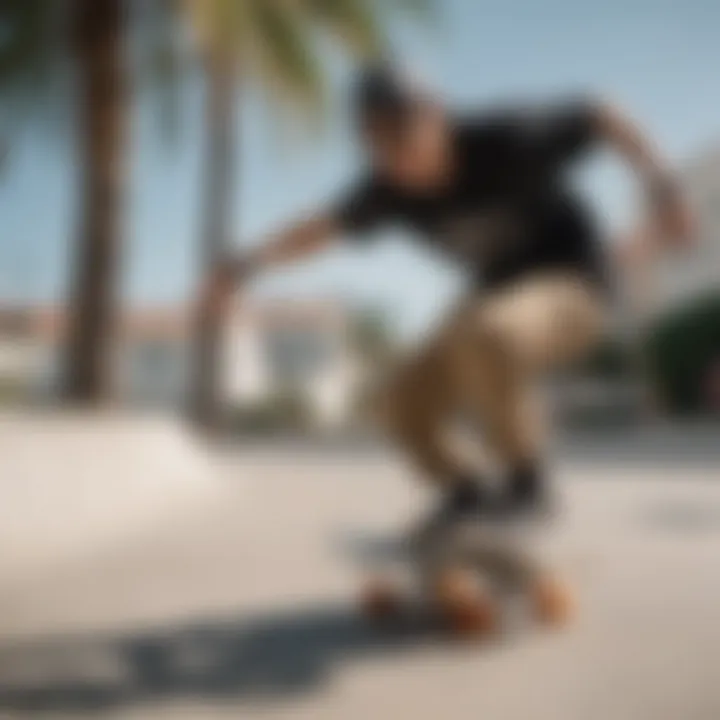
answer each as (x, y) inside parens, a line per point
(333, 391)
(249, 377)
(246, 378)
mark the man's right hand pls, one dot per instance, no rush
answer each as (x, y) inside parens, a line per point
(219, 287)
(295, 243)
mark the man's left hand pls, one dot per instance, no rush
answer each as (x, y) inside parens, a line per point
(672, 219)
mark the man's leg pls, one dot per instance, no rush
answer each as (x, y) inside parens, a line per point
(499, 351)
(417, 406)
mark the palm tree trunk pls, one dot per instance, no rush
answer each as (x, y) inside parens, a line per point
(207, 366)
(99, 33)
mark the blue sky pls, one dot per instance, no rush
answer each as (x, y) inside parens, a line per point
(659, 58)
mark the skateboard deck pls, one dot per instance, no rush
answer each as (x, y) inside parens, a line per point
(462, 573)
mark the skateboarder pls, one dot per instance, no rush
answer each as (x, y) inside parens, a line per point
(492, 191)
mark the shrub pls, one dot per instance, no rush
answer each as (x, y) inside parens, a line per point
(682, 350)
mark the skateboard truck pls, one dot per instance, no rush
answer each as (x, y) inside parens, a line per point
(462, 572)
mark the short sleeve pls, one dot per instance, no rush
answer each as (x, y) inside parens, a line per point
(567, 130)
(363, 208)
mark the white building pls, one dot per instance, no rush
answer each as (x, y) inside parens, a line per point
(297, 347)
(271, 348)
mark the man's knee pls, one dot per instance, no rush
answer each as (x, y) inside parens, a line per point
(410, 398)
(480, 350)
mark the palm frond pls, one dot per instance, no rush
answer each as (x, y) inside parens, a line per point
(282, 51)
(25, 29)
(34, 66)
(218, 25)
(277, 41)
(354, 22)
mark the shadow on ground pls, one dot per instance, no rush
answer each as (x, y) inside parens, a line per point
(263, 658)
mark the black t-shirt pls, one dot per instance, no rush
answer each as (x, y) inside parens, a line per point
(509, 209)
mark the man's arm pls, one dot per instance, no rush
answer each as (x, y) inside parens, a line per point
(364, 207)
(671, 221)
(297, 242)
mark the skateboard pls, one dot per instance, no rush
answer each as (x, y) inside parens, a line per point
(464, 575)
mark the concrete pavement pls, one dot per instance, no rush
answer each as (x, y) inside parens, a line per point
(245, 607)
(74, 484)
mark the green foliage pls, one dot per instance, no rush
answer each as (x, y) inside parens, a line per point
(276, 43)
(355, 22)
(33, 44)
(24, 31)
(273, 43)
(681, 350)
(36, 66)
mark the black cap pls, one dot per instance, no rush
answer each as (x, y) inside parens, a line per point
(382, 90)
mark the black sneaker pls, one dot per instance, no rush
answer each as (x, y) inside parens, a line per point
(466, 501)
(528, 495)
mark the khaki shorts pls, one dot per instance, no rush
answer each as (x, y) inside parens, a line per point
(486, 359)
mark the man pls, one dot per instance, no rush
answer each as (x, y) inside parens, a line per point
(490, 190)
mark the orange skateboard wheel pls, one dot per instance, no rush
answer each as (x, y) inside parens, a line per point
(553, 602)
(381, 600)
(467, 610)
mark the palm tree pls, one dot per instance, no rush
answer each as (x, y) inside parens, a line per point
(99, 32)
(275, 42)
(34, 36)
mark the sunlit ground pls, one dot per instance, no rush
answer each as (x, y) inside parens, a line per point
(243, 604)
